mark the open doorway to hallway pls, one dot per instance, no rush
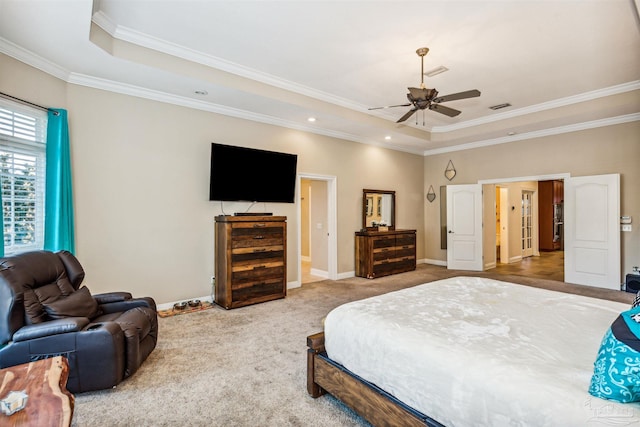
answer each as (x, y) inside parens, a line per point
(312, 222)
(317, 232)
(529, 229)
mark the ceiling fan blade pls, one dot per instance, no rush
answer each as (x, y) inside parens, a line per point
(460, 95)
(390, 106)
(444, 110)
(407, 115)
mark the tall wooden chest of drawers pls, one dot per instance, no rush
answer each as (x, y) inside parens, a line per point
(381, 253)
(251, 259)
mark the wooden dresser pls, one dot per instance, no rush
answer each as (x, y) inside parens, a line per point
(251, 259)
(381, 253)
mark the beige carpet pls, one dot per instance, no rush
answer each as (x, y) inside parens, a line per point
(247, 367)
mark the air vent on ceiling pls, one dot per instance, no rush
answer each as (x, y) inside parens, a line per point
(500, 106)
(436, 71)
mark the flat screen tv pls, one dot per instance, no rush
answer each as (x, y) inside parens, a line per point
(251, 175)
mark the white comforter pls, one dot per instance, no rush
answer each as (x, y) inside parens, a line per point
(470, 351)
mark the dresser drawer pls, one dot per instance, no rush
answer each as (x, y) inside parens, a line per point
(248, 237)
(260, 291)
(256, 272)
(406, 240)
(382, 243)
(408, 251)
(256, 255)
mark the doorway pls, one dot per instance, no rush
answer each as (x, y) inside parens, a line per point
(317, 243)
(502, 225)
(517, 226)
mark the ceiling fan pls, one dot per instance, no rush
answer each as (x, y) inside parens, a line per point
(422, 98)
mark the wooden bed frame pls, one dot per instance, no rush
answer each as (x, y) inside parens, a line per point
(370, 402)
(374, 404)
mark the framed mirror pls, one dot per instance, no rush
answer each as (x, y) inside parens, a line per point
(378, 209)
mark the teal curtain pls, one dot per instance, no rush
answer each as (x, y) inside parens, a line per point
(1, 220)
(58, 220)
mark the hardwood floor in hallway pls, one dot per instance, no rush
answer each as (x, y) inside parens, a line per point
(549, 265)
(307, 277)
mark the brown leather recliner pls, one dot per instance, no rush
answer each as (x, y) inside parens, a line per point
(44, 312)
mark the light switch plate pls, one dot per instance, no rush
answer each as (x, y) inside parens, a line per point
(626, 227)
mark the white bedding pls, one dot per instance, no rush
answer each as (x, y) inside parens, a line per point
(470, 351)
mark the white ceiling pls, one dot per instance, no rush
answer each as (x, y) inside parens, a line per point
(562, 65)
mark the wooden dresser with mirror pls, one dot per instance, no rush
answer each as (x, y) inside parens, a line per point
(380, 248)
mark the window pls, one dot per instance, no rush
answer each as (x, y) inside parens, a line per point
(22, 173)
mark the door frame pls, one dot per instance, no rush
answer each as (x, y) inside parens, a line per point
(332, 225)
(560, 176)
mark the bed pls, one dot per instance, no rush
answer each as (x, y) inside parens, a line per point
(467, 351)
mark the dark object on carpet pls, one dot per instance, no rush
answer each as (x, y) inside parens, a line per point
(185, 307)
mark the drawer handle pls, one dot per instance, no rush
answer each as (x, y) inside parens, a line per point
(385, 250)
(259, 224)
(257, 267)
(405, 247)
(258, 237)
(259, 250)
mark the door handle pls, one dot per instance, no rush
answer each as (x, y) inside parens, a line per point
(450, 232)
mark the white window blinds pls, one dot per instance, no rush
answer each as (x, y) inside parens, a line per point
(22, 174)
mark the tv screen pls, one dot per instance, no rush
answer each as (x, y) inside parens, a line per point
(248, 174)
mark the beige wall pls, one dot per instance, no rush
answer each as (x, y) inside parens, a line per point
(605, 150)
(141, 169)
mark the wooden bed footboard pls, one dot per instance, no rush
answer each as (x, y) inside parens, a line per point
(315, 343)
(371, 403)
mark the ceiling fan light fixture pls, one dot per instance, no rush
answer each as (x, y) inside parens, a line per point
(434, 72)
(423, 98)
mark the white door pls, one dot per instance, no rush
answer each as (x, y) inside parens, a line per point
(526, 223)
(504, 225)
(592, 231)
(464, 227)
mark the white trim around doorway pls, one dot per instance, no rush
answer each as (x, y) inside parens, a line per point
(332, 226)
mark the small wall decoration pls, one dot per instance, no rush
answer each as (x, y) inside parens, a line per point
(431, 194)
(450, 171)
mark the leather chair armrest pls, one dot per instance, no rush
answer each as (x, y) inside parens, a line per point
(53, 327)
(112, 297)
(118, 306)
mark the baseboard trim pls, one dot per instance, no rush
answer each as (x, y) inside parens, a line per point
(434, 262)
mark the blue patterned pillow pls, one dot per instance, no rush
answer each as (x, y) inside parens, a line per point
(616, 374)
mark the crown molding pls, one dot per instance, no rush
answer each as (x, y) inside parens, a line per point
(538, 134)
(144, 40)
(23, 55)
(561, 102)
(36, 61)
(154, 95)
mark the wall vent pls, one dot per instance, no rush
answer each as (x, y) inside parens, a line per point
(499, 106)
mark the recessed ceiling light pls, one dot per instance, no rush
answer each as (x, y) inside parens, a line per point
(511, 133)
(311, 119)
(201, 92)
(388, 138)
